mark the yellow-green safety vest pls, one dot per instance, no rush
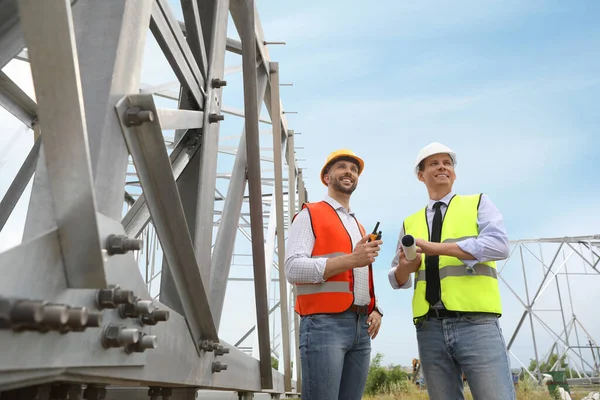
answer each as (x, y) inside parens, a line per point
(460, 291)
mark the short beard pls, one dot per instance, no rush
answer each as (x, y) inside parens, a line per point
(337, 185)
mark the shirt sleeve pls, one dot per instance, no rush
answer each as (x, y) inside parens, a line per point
(392, 271)
(492, 242)
(300, 267)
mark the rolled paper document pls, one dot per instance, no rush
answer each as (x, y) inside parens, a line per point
(410, 247)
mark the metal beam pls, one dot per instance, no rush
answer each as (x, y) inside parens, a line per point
(180, 119)
(251, 108)
(18, 185)
(225, 240)
(194, 35)
(48, 29)
(16, 101)
(278, 149)
(152, 164)
(11, 37)
(138, 216)
(216, 24)
(111, 38)
(170, 38)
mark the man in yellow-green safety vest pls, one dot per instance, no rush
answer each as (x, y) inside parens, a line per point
(456, 300)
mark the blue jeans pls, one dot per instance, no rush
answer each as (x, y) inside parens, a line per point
(472, 344)
(335, 351)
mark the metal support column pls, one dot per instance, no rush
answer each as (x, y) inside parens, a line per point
(232, 209)
(210, 136)
(251, 111)
(49, 35)
(278, 166)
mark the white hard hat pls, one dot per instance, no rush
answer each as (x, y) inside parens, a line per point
(431, 149)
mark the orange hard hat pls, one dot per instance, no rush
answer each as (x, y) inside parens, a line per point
(338, 154)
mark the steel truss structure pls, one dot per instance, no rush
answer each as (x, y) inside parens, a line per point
(111, 191)
(552, 271)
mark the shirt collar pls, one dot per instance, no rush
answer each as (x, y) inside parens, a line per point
(445, 200)
(336, 205)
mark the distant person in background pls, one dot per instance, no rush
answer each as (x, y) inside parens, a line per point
(329, 260)
(456, 300)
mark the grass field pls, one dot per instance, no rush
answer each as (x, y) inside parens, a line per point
(524, 392)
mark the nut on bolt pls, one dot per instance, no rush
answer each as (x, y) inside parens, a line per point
(207, 345)
(138, 308)
(135, 116)
(217, 83)
(119, 336)
(121, 244)
(112, 297)
(156, 317)
(218, 366)
(145, 342)
(212, 118)
(220, 350)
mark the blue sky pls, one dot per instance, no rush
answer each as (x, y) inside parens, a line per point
(511, 86)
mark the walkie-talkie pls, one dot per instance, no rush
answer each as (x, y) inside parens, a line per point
(375, 235)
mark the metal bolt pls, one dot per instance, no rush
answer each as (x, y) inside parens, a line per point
(94, 319)
(54, 317)
(77, 320)
(118, 336)
(138, 308)
(217, 83)
(220, 350)
(111, 298)
(145, 342)
(26, 314)
(212, 118)
(206, 345)
(135, 116)
(155, 317)
(218, 366)
(121, 244)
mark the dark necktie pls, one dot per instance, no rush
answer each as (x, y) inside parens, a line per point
(432, 263)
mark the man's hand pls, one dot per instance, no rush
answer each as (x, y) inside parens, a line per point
(405, 267)
(428, 248)
(365, 252)
(374, 322)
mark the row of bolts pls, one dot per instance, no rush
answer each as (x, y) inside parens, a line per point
(33, 315)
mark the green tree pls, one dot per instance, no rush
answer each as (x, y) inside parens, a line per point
(376, 377)
(545, 366)
(274, 363)
(380, 377)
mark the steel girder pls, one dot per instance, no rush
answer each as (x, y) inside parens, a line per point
(74, 308)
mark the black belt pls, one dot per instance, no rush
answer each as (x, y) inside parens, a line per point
(441, 313)
(359, 309)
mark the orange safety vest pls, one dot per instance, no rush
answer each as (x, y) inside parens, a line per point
(336, 294)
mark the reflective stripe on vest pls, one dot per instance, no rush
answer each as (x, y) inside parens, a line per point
(325, 287)
(461, 270)
(460, 290)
